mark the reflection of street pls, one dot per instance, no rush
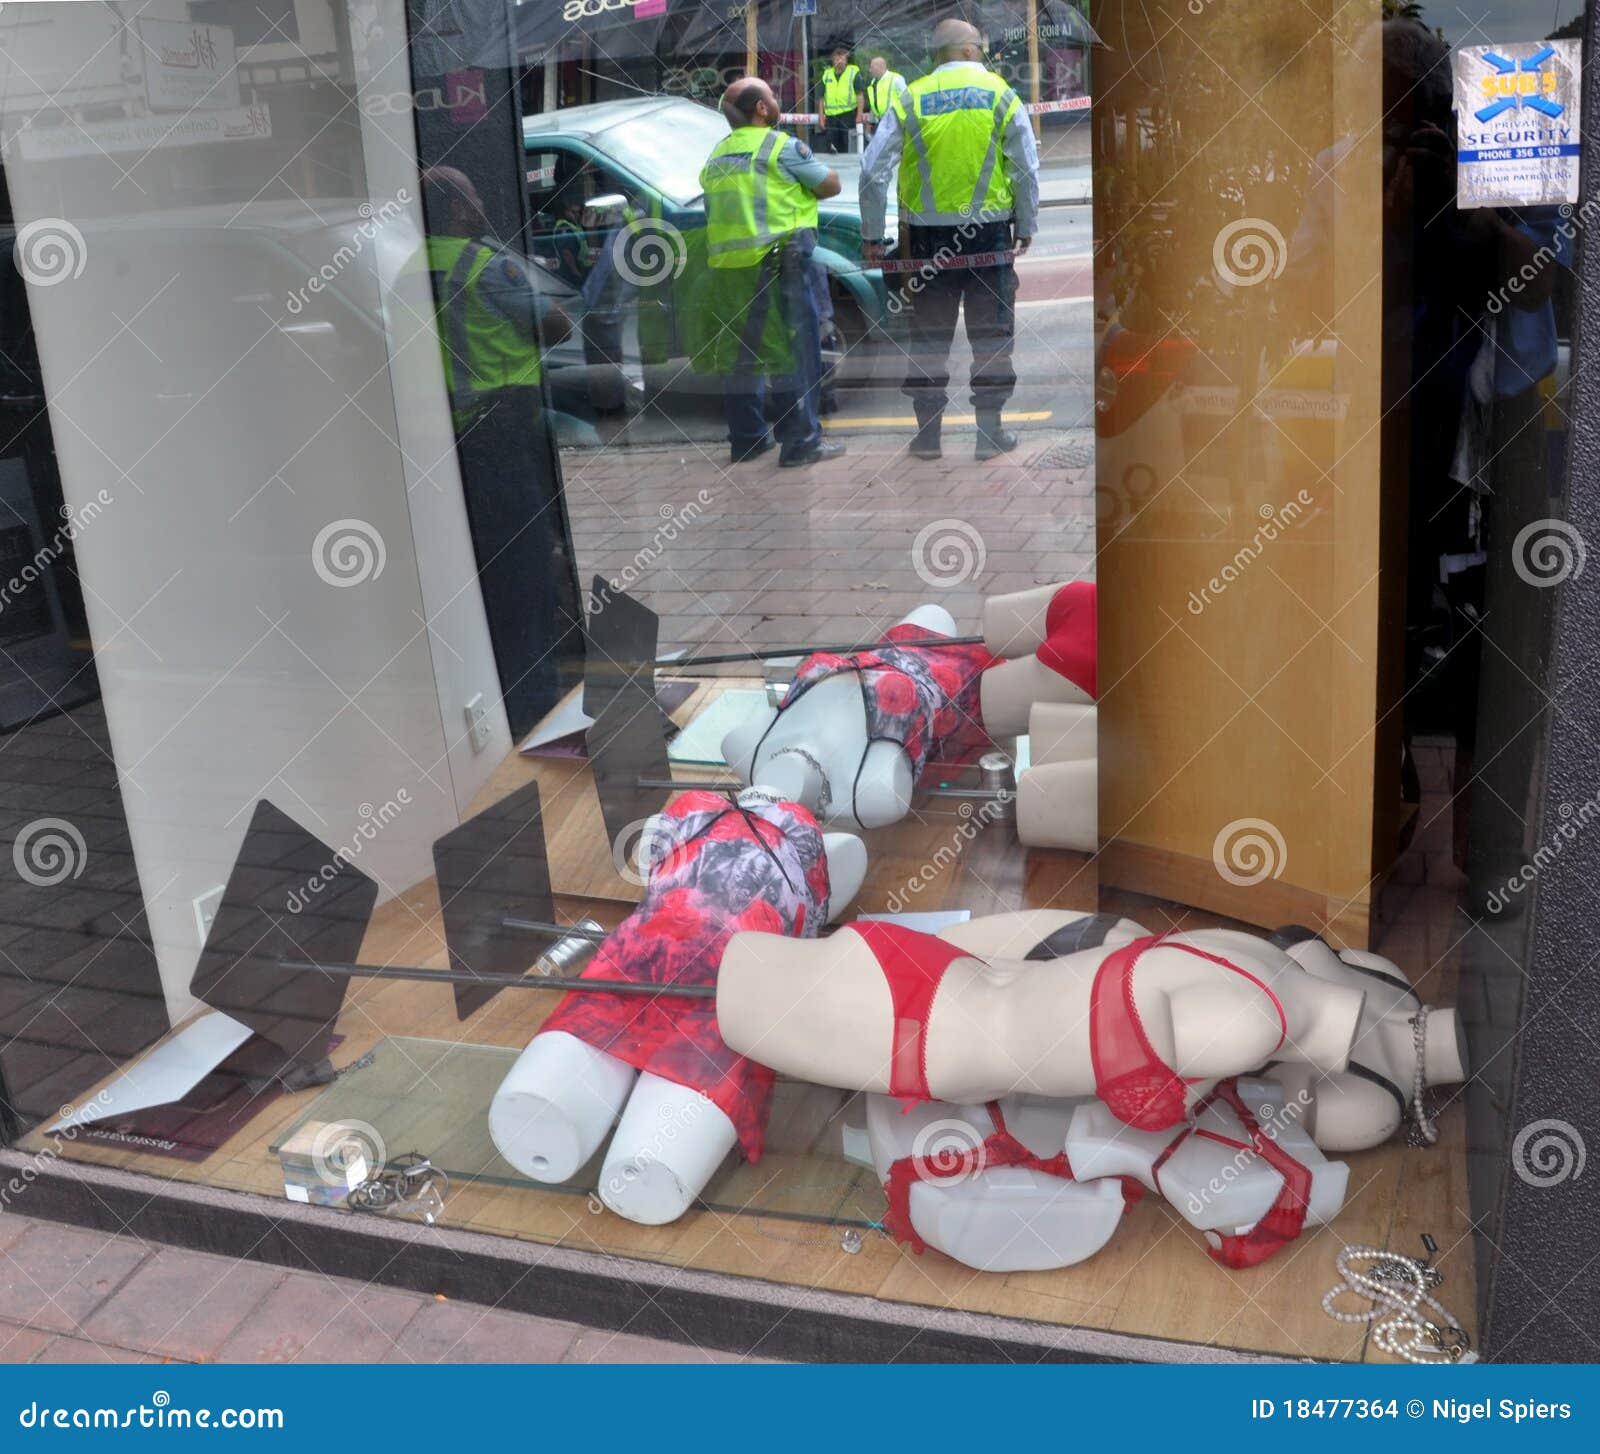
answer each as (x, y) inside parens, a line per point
(826, 554)
(1055, 318)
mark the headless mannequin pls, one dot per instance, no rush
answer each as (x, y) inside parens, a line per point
(1016, 1218)
(1047, 690)
(818, 753)
(563, 1095)
(823, 1011)
(1365, 1105)
(1016, 626)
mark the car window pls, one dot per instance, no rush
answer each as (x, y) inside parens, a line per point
(666, 148)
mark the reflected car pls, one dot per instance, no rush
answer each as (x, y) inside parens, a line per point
(649, 150)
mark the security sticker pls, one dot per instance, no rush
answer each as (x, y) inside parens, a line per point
(1517, 132)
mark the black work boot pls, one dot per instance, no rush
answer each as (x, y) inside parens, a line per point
(992, 439)
(925, 443)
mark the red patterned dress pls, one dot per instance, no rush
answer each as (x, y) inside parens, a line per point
(921, 698)
(718, 868)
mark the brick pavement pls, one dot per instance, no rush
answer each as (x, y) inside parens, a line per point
(70, 1295)
(780, 557)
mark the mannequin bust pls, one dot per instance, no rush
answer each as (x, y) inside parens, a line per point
(824, 1011)
(1217, 1188)
(820, 748)
(1017, 1218)
(1367, 1104)
(712, 867)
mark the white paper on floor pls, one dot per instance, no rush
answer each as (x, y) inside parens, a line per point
(168, 1073)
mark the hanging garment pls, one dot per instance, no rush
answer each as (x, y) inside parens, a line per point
(717, 868)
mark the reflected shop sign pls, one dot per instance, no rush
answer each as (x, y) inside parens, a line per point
(188, 66)
(144, 133)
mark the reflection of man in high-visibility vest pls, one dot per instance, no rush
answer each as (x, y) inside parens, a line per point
(883, 85)
(843, 101)
(488, 310)
(761, 188)
(574, 256)
(490, 322)
(969, 190)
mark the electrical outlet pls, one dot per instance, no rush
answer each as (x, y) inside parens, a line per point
(205, 910)
(477, 723)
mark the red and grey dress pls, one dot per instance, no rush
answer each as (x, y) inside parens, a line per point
(718, 869)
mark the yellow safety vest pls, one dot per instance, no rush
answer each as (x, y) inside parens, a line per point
(482, 350)
(751, 205)
(882, 90)
(839, 90)
(951, 172)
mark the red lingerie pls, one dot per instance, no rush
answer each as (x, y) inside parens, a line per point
(1139, 1087)
(1071, 636)
(1000, 1149)
(1286, 1217)
(913, 965)
(1280, 1225)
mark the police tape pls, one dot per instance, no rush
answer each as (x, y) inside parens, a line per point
(1033, 108)
(941, 264)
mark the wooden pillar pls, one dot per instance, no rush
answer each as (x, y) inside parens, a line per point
(752, 36)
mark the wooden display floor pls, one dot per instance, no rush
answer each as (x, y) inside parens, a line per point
(784, 1219)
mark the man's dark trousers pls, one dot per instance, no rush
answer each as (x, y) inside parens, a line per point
(986, 296)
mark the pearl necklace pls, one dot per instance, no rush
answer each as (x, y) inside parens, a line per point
(1399, 1325)
(1424, 1130)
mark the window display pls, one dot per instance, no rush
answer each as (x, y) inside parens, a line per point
(1049, 845)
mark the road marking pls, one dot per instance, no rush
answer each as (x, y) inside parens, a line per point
(1053, 302)
(885, 421)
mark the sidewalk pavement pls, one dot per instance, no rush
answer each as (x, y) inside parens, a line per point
(69, 1295)
(743, 555)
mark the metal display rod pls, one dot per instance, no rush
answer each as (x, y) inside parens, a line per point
(554, 931)
(500, 981)
(778, 654)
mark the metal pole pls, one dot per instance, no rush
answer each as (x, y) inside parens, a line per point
(1034, 90)
(805, 69)
(553, 931)
(500, 981)
(779, 653)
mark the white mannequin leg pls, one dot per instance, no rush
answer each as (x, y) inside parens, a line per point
(740, 743)
(847, 870)
(1059, 806)
(792, 777)
(556, 1104)
(670, 1141)
(882, 794)
(935, 620)
(1009, 691)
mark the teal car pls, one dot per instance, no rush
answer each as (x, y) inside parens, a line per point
(648, 151)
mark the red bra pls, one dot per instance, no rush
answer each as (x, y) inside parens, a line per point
(1000, 1149)
(1280, 1225)
(1286, 1217)
(1139, 1087)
